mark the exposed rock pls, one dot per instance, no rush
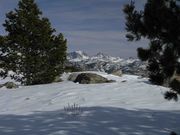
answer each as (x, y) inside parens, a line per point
(72, 77)
(57, 79)
(91, 78)
(124, 81)
(177, 77)
(117, 73)
(10, 85)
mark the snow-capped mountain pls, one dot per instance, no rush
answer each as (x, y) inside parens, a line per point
(82, 56)
(104, 57)
(77, 56)
(106, 63)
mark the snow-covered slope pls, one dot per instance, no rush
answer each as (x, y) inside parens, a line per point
(130, 106)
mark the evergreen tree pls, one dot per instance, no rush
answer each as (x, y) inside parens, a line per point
(31, 49)
(159, 22)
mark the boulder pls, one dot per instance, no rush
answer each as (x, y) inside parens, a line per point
(72, 77)
(91, 78)
(117, 73)
(10, 85)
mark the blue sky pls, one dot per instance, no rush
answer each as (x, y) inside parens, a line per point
(89, 25)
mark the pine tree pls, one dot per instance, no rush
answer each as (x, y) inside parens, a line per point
(159, 22)
(31, 49)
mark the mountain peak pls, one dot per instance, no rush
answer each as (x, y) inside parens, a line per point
(77, 56)
(106, 63)
(100, 54)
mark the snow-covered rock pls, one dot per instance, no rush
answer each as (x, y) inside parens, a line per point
(77, 56)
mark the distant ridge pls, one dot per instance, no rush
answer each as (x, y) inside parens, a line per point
(105, 63)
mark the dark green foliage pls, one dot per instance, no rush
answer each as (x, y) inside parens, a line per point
(72, 69)
(171, 95)
(155, 73)
(173, 133)
(159, 22)
(143, 54)
(156, 78)
(31, 49)
(175, 85)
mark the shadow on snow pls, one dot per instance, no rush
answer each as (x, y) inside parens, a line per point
(92, 121)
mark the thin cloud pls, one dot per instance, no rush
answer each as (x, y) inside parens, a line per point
(110, 42)
(89, 25)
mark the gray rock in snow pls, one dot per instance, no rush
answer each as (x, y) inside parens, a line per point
(117, 73)
(10, 85)
(91, 78)
(72, 77)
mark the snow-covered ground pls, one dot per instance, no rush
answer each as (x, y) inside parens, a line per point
(129, 106)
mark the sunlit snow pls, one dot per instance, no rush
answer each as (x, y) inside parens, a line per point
(129, 106)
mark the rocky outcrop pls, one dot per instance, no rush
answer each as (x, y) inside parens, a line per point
(9, 85)
(117, 73)
(72, 77)
(91, 78)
